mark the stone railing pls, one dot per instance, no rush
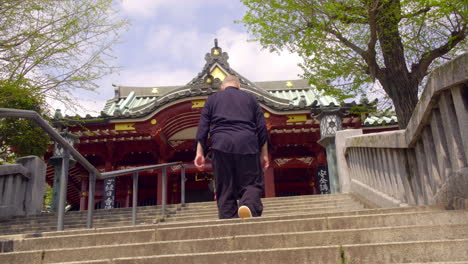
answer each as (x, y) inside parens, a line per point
(424, 164)
(22, 187)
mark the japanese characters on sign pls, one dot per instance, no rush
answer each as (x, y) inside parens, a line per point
(323, 180)
(109, 193)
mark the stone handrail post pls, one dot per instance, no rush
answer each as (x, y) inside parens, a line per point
(23, 187)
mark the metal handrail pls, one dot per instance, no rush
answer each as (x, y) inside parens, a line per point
(8, 112)
(111, 174)
(94, 173)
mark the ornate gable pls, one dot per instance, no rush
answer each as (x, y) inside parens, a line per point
(215, 70)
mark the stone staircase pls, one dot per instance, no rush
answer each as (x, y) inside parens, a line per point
(301, 229)
(77, 219)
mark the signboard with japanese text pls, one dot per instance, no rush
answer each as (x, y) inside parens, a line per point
(323, 180)
(109, 193)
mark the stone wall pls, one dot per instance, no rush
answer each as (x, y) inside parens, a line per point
(424, 164)
(22, 187)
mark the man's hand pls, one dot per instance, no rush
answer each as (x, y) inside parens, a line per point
(199, 160)
(264, 159)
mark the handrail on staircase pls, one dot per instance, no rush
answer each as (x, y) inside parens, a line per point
(94, 173)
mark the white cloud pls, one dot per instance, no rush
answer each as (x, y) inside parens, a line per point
(179, 46)
(85, 103)
(177, 8)
(248, 58)
(142, 7)
(183, 52)
(155, 75)
(255, 63)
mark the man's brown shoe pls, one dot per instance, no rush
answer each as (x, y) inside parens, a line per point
(244, 212)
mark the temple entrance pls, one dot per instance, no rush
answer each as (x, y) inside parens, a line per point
(199, 187)
(295, 181)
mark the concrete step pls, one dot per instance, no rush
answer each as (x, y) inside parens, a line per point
(237, 243)
(308, 229)
(76, 219)
(83, 219)
(278, 206)
(51, 228)
(34, 228)
(312, 224)
(340, 212)
(276, 240)
(195, 217)
(98, 212)
(76, 222)
(422, 251)
(147, 217)
(270, 209)
(282, 200)
(438, 262)
(80, 231)
(304, 215)
(85, 240)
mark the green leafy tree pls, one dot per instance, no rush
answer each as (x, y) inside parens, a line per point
(49, 48)
(346, 44)
(57, 45)
(20, 137)
(47, 198)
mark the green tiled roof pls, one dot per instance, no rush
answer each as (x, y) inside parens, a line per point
(306, 96)
(381, 120)
(131, 100)
(281, 85)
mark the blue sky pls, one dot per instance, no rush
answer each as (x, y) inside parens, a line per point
(167, 41)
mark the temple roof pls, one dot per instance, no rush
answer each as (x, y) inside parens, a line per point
(131, 100)
(284, 95)
(373, 120)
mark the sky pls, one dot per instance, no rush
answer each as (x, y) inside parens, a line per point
(166, 43)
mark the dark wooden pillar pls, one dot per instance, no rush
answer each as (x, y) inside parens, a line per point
(159, 190)
(83, 194)
(269, 182)
(159, 184)
(129, 194)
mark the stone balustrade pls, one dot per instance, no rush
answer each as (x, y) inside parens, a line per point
(22, 187)
(424, 164)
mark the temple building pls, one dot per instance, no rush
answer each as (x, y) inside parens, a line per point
(150, 125)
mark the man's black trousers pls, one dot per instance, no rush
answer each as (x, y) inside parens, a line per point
(238, 177)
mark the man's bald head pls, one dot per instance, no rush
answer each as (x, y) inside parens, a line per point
(230, 80)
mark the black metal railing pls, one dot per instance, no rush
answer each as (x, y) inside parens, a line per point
(94, 174)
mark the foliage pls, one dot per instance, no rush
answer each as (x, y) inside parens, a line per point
(57, 45)
(48, 198)
(345, 45)
(19, 137)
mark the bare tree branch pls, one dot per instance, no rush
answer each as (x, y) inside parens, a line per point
(420, 68)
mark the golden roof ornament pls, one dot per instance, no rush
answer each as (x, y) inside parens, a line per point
(216, 48)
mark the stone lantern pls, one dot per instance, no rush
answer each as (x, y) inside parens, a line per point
(330, 122)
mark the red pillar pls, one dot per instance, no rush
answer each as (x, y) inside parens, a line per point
(159, 185)
(159, 197)
(129, 194)
(83, 194)
(269, 183)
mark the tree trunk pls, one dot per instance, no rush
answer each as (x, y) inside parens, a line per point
(397, 81)
(404, 94)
